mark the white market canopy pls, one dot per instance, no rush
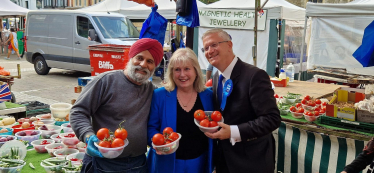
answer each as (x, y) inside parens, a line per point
(278, 9)
(111, 6)
(166, 8)
(336, 33)
(10, 9)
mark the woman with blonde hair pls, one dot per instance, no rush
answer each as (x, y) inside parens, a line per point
(173, 106)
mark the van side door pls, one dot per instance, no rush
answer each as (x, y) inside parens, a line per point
(60, 41)
(81, 42)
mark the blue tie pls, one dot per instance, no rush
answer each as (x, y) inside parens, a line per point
(219, 89)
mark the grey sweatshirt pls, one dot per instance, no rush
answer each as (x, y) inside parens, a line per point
(107, 100)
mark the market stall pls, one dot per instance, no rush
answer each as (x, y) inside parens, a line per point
(324, 145)
(336, 33)
(237, 18)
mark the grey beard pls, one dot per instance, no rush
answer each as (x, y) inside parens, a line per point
(137, 77)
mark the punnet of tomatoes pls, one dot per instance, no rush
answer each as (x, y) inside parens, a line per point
(167, 142)
(311, 116)
(297, 111)
(111, 146)
(207, 121)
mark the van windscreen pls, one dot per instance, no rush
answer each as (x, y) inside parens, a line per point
(116, 27)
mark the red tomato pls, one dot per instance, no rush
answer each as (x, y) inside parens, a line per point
(216, 116)
(322, 111)
(105, 144)
(276, 96)
(167, 131)
(75, 159)
(213, 124)
(317, 109)
(298, 105)
(303, 102)
(300, 110)
(121, 133)
(324, 108)
(102, 133)
(292, 109)
(318, 101)
(311, 103)
(158, 139)
(173, 136)
(199, 115)
(316, 113)
(209, 83)
(167, 142)
(324, 103)
(117, 142)
(204, 123)
(307, 97)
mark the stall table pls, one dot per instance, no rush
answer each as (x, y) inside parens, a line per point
(304, 147)
(307, 88)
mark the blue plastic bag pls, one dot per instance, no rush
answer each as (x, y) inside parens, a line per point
(191, 20)
(154, 26)
(365, 53)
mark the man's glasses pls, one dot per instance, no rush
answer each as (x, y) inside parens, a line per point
(214, 46)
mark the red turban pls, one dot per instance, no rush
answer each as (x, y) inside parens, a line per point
(153, 46)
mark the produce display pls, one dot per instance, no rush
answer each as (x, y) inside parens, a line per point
(29, 120)
(53, 165)
(208, 120)
(7, 121)
(39, 145)
(167, 142)
(49, 130)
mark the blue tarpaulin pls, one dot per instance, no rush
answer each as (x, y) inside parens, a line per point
(154, 26)
(365, 53)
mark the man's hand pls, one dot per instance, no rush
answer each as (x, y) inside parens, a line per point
(223, 133)
(343, 172)
(91, 148)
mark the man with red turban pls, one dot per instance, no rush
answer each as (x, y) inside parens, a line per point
(114, 97)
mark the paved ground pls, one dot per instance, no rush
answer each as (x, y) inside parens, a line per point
(57, 86)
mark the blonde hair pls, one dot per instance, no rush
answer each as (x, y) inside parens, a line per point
(184, 55)
(223, 34)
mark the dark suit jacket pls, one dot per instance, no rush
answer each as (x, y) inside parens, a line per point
(253, 108)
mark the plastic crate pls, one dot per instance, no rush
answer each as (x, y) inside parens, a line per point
(353, 125)
(35, 108)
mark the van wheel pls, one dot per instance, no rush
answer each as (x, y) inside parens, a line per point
(41, 66)
(13, 100)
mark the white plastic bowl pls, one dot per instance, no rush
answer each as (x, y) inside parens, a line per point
(207, 129)
(78, 156)
(69, 141)
(60, 110)
(40, 117)
(28, 137)
(51, 148)
(41, 148)
(167, 148)
(66, 129)
(62, 153)
(81, 147)
(311, 118)
(111, 153)
(52, 169)
(52, 129)
(12, 169)
(297, 115)
(5, 136)
(54, 137)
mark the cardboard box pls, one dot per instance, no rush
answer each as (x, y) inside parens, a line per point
(352, 95)
(365, 116)
(280, 83)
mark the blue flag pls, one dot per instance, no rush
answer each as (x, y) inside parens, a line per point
(365, 53)
(154, 26)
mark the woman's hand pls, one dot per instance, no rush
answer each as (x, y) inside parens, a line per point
(343, 172)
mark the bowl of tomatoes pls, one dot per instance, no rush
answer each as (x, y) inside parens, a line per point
(112, 149)
(51, 148)
(39, 145)
(167, 142)
(297, 112)
(69, 139)
(311, 116)
(207, 121)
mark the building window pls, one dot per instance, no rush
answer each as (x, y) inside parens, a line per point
(315, 1)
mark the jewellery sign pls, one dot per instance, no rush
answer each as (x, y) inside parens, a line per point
(228, 18)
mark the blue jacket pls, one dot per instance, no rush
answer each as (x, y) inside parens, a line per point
(163, 114)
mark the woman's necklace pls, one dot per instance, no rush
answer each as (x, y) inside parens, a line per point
(185, 105)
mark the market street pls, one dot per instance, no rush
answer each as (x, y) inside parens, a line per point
(57, 86)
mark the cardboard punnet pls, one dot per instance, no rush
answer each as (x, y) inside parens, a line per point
(352, 95)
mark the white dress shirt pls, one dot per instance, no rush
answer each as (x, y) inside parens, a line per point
(235, 134)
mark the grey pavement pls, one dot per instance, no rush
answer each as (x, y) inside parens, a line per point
(57, 86)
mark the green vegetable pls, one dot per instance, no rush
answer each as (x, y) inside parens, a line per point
(31, 165)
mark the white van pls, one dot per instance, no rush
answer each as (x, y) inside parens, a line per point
(59, 38)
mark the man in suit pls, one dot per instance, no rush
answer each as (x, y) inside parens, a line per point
(250, 114)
